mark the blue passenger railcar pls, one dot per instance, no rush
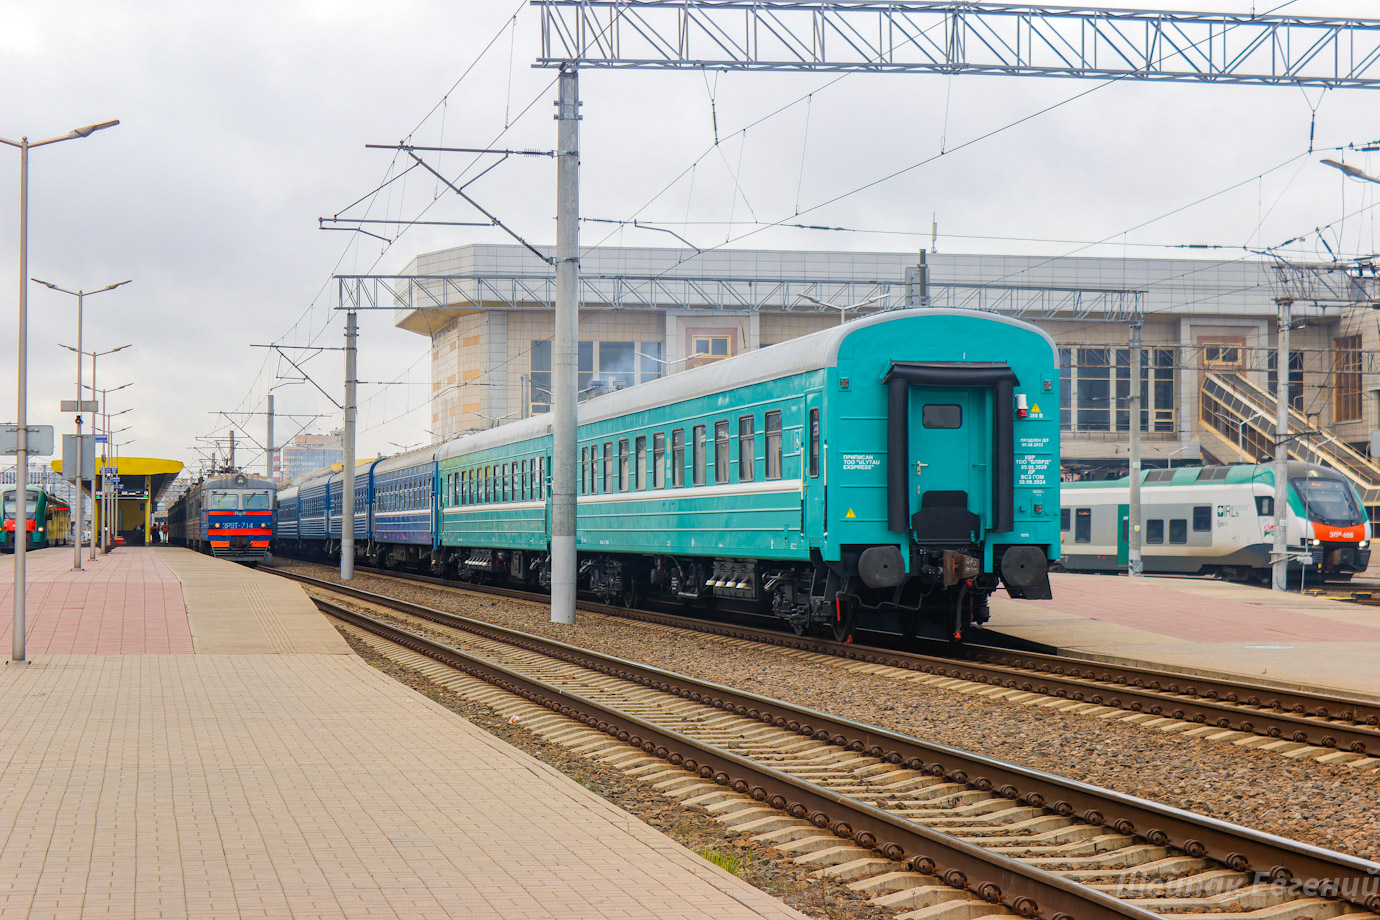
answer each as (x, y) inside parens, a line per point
(404, 509)
(895, 470)
(288, 509)
(335, 503)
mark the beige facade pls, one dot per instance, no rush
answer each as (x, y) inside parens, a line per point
(1206, 325)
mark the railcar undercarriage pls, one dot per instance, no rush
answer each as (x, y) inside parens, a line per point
(943, 596)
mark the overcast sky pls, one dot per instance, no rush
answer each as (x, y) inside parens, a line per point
(243, 123)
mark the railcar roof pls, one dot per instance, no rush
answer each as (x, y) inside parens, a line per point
(1232, 474)
(228, 482)
(811, 352)
(424, 456)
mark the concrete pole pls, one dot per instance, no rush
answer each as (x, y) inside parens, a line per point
(95, 425)
(564, 354)
(76, 542)
(1279, 578)
(1133, 522)
(230, 464)
(21, 460)
(268, 463)
(347, 511)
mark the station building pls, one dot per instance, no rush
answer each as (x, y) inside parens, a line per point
(1208, 328)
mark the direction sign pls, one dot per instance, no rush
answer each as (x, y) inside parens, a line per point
(39, 442)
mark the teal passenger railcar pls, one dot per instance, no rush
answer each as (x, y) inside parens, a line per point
(892, 472)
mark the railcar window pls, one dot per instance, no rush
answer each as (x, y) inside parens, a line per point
(256, 501)
(1265, 505)
(697, 450)
(622, 464)
(747, 448)
(1202, 517)
(814, 443)
(1328, 501)
(608, 466)
(773, 434)
(517, 483)
(942, 416)
(222, 501)
(1064, 517)
(658, 461)
(488, 484)
(584, 470)
(640, 463)
(721, 448)
(678, 458)
(1082, 525)
(1178, 530)
(1154, 531)
(541, 477)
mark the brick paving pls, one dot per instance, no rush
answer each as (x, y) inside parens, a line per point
(1158, 606)
(286, 784)
(126, 602)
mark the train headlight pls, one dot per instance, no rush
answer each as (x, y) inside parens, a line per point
(1317, 542)
(1363, 544)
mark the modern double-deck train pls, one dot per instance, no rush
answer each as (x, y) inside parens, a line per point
(228, 516)
(48, 519)
(893, 471)
(1219, 520)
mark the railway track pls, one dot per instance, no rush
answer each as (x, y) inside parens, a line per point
(913, 825)
(1330, 722)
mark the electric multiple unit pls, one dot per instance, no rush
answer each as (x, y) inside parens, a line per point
(1219, 520)
(230, 517)
(48, 519)
(893, 472)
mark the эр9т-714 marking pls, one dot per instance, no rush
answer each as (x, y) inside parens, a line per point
(891, 473)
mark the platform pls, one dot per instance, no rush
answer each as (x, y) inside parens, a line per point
(1204, 624)
(169, 752)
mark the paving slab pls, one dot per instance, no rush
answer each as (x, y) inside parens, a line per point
(127, 601)
(211, 783)
(1204, 624)
(235, 608)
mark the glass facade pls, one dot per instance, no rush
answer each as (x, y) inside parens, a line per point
(603, 366)
(1095, 389)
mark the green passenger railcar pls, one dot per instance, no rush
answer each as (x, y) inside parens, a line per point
(893, 471)
(49, 519)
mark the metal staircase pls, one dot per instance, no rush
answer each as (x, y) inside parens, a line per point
(1242, 413)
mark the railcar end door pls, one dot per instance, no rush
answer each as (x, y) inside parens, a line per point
(950, 463)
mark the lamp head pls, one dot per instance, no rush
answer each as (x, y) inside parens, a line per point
(88, 130)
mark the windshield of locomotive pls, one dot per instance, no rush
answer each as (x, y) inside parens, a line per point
(1328, 501)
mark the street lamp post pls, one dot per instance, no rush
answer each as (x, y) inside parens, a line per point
(111, 515)
(21, 460)
(81, 510)
(94, 355)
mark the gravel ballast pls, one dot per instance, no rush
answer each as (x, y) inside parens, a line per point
(1328, 806)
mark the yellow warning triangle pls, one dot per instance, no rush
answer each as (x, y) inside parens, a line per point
(1035, 409)
(850, 514)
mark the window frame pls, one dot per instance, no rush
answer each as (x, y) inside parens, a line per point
(1081, 533)
(747, 448)
(1154, 531)
(1206, 512)
(774, 440)
(678, 458)
(723, 451)
(659, 460)
(639, 462)
(699, 455)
